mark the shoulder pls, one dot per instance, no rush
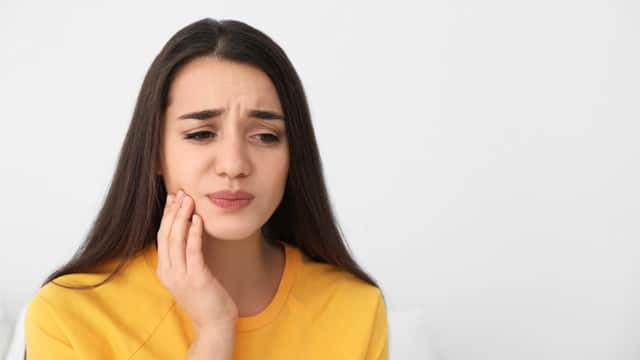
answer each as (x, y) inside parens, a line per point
(328, 288)
(55, 314)
(66, 289)
(55, 294)
(316, 277)
(339, 305)
(72, 315)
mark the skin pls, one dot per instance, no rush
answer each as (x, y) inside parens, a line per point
(215, 262)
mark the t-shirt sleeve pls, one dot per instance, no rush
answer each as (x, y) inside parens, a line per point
(379, 342)
(44, 337)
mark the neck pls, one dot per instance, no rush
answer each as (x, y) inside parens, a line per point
(249, 269)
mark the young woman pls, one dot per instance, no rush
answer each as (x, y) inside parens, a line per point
(216, 239)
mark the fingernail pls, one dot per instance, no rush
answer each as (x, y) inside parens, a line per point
(179, 196)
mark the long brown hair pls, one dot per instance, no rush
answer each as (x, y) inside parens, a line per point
(130, 217)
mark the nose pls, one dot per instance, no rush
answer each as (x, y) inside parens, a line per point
(231, 158)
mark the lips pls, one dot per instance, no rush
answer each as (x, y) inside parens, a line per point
(230, 200)
(230, 195)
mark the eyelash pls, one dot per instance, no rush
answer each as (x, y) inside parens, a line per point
(195, 136)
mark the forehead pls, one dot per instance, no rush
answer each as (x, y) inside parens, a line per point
(206, 81)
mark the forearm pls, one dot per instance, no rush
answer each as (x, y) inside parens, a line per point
(212, 345)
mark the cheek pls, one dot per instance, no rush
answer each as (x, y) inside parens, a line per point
(179, 170)
(280, 171)
(280, 181)
(274, 175)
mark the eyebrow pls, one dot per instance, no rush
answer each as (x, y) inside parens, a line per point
(211, 113)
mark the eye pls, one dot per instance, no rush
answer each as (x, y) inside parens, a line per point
(270, 138)
(200, 136)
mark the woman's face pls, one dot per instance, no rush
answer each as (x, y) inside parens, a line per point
(237, 142)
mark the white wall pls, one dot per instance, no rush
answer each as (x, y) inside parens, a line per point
(482, 157)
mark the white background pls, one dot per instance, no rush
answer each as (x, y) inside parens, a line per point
(481, 157)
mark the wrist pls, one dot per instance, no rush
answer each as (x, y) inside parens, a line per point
(212, 342)
(219, 330)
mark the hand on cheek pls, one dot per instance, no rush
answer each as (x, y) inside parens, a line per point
(182, 270)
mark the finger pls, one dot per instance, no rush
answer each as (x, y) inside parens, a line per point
(177, 242)
(168, 220)
(164, 230)
(195, 259)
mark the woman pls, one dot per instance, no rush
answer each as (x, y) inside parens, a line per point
(216, 238)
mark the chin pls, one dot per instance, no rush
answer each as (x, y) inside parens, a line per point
(230, 231)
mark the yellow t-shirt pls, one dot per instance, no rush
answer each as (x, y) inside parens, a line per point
(318, 312)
